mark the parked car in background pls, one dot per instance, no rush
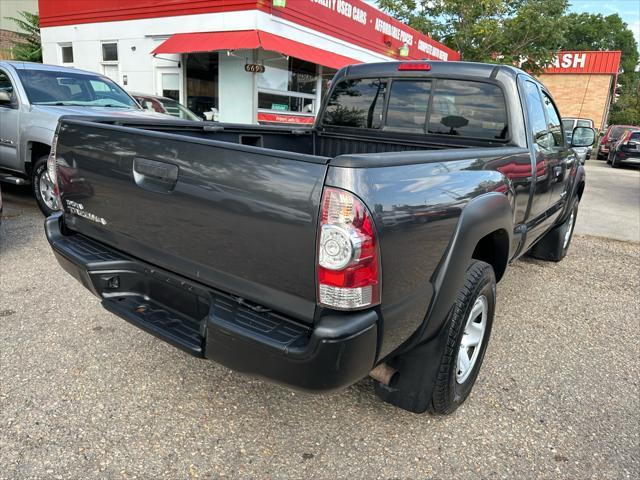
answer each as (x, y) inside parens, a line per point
(568, 124)
(168, 106)
(33, 97)
(370, 244)
(610, 137)
(626, 149)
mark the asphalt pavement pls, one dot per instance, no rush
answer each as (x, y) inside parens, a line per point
(611, 203)
(85, 395)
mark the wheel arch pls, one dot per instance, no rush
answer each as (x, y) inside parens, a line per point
(493, 249)
(35, 151)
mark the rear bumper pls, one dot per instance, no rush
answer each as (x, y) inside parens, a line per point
(626, 157)
(337, 352)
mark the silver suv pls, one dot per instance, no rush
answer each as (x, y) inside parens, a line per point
(33, 97)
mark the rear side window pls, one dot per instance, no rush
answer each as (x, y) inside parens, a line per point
(408, 102)
(616, 132)
(555, 128)
(468, 109)
(584, 123)
(635, 136)
(356, 103)
(537, 117)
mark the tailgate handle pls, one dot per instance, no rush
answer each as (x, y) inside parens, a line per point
(155, 176)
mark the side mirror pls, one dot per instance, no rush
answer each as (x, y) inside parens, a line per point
(583, 137)
(4, 97)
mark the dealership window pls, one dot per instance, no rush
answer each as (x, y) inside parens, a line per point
(110, 60)
(202, 82)
(110, 52)
(468, 109)
(356, 103)
(326, 76)
(288, 85)
(171, 85)
(66, 52)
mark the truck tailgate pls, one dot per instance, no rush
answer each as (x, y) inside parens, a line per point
(240, 219)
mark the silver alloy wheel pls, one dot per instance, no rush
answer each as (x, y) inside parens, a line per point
(567, 234)
(46, 191)
(471, 342)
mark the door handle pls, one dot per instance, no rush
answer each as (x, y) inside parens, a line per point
(155, 176)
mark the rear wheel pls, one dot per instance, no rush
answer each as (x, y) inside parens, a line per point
(43, 188)
(555, 244)
(614, 163)
(469, 333)
(438, 376)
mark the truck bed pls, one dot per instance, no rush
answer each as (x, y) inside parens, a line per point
(233, 207)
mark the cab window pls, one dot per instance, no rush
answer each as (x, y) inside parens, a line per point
(468, 109)
(6, 85)
(554, 125)
(408, 102)
(356, 103)
(537, 118)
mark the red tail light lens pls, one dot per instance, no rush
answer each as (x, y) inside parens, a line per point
(348, 258)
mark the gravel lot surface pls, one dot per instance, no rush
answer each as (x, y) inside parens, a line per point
(83, 394)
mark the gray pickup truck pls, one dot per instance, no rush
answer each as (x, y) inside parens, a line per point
(33, 97)
(368, 245)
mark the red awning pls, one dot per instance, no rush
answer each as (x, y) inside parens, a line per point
(250, 39)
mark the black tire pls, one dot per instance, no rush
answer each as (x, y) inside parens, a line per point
(613, 162)
(40, 169)
(609, 159)
(555, 244)
(449, 393)
(428, 372)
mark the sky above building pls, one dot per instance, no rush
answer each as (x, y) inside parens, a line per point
(629, 11)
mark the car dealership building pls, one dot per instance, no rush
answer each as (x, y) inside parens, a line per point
(251, 60)
(583, 83)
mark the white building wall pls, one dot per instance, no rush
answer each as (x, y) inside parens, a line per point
(237, 103)
(138, 38)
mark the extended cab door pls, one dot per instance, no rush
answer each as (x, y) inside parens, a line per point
(561, 162)
(545, 159)
(9, 119)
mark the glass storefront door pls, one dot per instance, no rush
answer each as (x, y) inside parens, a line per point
(202, 82)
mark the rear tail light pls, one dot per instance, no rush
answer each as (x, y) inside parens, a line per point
(603, 141)
(348, 260)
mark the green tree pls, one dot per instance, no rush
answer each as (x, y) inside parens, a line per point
(505, 31)
(586, 31)
(28, 47)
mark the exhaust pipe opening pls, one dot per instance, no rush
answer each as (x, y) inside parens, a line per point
(385, 374)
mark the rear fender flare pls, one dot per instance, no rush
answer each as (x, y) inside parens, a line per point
(482, 216)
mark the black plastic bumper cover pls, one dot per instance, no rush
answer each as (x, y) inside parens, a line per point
(337, 352)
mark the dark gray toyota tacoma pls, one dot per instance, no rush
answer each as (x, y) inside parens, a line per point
(368, 245)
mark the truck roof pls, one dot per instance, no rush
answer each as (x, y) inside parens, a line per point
(436, 67)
